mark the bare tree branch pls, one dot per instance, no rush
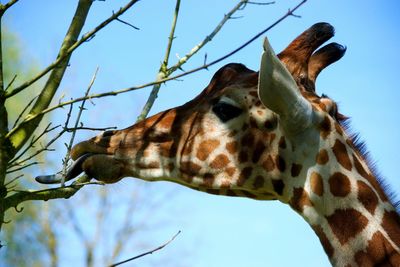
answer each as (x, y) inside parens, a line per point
(25, 129)
(3, 8)
(162, 73)
(71, 49)
(204, 66)
(78, 118)
(148, 252)
(46, 194)
(208, 38)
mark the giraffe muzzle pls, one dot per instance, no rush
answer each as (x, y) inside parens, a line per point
(72, 172)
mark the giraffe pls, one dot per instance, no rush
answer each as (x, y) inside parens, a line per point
(264, 135)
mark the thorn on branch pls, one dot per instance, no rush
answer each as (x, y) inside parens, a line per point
(290, 13)
(237, 17)
(90, 37)
(126, 23)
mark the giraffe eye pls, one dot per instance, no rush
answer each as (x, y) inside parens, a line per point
(225, 111)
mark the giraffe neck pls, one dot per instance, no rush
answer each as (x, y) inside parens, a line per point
(347, 208)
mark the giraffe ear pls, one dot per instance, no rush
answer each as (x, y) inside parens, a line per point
(278, 91)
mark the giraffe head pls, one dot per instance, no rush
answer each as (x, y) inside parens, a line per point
(263, 135)
(245, 134)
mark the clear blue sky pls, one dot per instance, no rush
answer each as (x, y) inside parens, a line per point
(221, 231)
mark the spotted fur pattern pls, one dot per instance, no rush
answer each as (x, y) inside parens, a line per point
(321, 172)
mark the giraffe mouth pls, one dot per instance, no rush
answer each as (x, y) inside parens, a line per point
(72, 172)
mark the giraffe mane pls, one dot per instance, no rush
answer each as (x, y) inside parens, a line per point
(360, 145)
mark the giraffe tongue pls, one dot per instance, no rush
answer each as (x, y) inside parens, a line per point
(72, 172)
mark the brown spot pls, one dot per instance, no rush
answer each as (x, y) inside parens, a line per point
(254, 93)
(360, 169)
(151, 165)
(268, 164)
(346, 224)
(391, 224)
(230, 171)
(220, 162)
(233, 133)
(280, 163)
(379, 252)
(322, 157)
(324, 240)
(278, 186)
(206, 147)
(243, 156)
(258, 182)
(208, 179)
(171, 167)
(325, 127)
(295, 170)
(300, 199)
(232, 147)
(259, 112)
(244, 175)
(282, 142)
(259, 149)
(317, 184)
(247, 140)
(167, 121)
(339, 184)
(165, 148)
(367, 196)
(190, 168)
(271, 124)
(322, 106)
(272, 138)
(340, 152)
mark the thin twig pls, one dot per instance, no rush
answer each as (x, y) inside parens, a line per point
(162, 73)
(205, 66)
(23, 111)
(46, 194)
(148, 252)
(127, 23)
(13, 180)
(16, 162)
(261, 3)
(11, 82)
(91, 128)
(23, 167)
(83, 39)
(208, 38)
(78, 118)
